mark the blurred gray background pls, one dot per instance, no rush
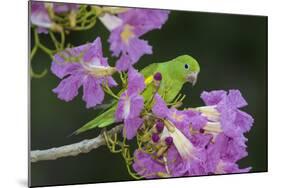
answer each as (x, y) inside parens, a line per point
(232, 52)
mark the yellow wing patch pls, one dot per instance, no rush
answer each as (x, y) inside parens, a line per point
(148, 80)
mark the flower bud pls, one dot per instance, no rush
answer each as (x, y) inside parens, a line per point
(155, 137)
(159, 126)
(169, 141)
(157, 76)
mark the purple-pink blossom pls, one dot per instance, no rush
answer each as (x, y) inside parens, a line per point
(146, 166)
(177, 126)
(63, 7)
(207, 145)
(131, 104)
(39, 16)
(124, 39)
(83, 66)
(232, 121)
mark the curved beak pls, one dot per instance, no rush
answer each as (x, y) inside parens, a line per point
(192, 78)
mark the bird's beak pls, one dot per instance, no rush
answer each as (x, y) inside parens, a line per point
(192, 78)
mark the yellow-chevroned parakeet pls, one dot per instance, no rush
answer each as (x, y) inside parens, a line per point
(175, 73)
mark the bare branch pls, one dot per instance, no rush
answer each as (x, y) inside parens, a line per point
(84, 146)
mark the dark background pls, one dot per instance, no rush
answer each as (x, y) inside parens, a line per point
(232, 52)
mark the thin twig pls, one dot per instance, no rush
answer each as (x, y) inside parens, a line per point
(84, 146)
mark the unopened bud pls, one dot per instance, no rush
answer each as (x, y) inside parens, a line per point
(157, 76)
(169, 141)
(155, 138)
(160, 126)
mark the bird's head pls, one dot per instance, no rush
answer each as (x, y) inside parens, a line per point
(186, 69)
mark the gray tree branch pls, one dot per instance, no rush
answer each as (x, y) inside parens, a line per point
(84, 146)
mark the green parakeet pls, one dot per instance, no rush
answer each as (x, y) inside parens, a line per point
(175, 73)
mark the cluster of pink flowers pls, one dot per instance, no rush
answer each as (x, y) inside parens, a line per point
(41, 18)
(198, 141)
(85, 64)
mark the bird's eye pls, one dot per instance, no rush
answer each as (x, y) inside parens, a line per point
(186, 66)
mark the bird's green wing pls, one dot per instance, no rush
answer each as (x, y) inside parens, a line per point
(149, 70)
(104, 119)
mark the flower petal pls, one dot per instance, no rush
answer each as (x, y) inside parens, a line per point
(135, 81)
(144, 19)
(213, 97)
(176, 165)
(244, 121)
(137, 48)
(123, 63)
(39, 15)
(146, 166)
(196, 120)
(160, 108)
(63, 69)
(94, 50)
(110, 81)
(119, 113)
(93, 93)
(137, 105)
(132, 52)
(131, 127)
(68, 87)
(236, 99)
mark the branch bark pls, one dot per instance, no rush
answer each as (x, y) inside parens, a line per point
(84, 146)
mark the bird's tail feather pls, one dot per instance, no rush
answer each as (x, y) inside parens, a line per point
(103, 120)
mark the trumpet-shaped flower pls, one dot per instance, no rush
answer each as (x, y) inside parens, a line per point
(224, 112)
(223, 155)
(124, 38)
(131, 104)
(83, 66)
(39, 16)
(191, 149)
(177, 125)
